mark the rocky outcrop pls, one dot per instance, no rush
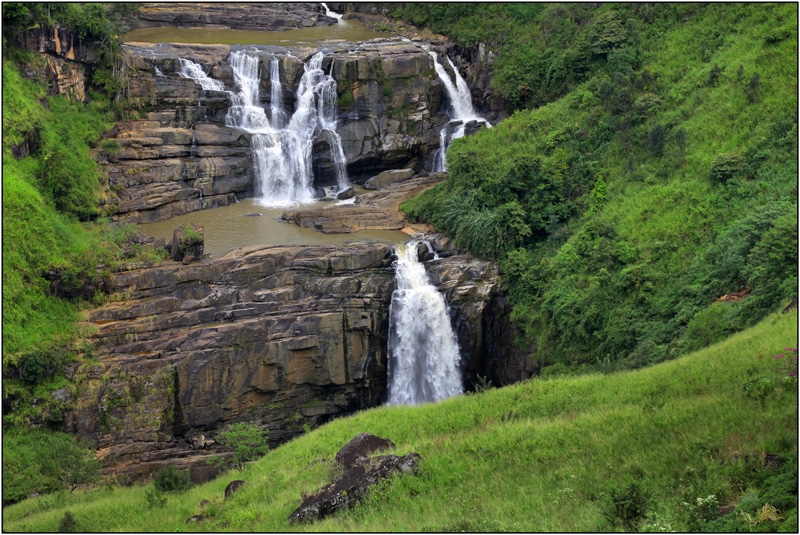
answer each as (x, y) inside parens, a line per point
(277, 336)
(360, 448)
(375, 211)
(65, 58)
(387, 178)
(235, 15)
(352, 487)
(360, 474)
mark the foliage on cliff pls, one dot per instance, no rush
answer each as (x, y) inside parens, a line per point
(624, 210)
(655, 449)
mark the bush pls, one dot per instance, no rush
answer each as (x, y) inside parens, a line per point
(725, 167)
(155, 499)
(656, 139)
(44, 461)
(68, 524)
(247, 442)
(170, 479)
(628, 506)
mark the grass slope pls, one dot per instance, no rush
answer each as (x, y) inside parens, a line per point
(543, 455)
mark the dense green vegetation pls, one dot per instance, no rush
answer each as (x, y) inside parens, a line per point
(44, 461)
(663, 179)
(656, 449)
(56, 250)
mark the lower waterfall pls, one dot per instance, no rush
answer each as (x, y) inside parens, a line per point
(423, 351)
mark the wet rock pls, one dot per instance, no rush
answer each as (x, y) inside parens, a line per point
(348, 193)
(353, 486)
(233, 487)
(359, 448)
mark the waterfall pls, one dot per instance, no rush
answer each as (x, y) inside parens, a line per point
(282, 147)
(331, 14)
(423, 351)
(461, 110)
(192, 70)
(277, 115)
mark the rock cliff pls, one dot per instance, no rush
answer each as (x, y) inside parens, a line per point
(280, 336)
(235, 15)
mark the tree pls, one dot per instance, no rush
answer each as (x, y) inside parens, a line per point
(247, 442)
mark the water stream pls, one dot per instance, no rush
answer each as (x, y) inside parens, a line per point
(423, 351)
(461, 110)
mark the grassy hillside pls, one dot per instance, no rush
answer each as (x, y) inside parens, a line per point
(544, 455)
(664, 178)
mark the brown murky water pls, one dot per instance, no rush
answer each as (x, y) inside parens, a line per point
(230, 227)
(349, 30)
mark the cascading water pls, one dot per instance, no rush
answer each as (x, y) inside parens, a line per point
(192, 70)
(423, 351)
(281, 147)
(331, 14)
(461, 110)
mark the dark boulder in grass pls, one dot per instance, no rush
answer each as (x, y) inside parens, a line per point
(351, 487)
(232, 487)
(359, 448)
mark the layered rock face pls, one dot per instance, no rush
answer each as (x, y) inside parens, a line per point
(236, 16)
(181, 157)
(278, 336)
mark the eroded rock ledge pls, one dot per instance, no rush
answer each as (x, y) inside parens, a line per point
(280, 336)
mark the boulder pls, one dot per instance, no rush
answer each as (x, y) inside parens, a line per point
(359, 448)
(348, 193)
(187, 243)
(353, 486)
(388, 177)
(232, 487)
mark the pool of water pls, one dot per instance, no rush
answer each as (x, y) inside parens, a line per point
(349, 30)
(234, 226)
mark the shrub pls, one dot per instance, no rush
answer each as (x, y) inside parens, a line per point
(725, 167)
(170, 479)
(656, 139)
(627, 507)
(752, 88)
(246, 441)
(155, 499)
(68, 524)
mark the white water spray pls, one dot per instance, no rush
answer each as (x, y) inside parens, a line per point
(192, 70)
(423, 351)
(282, 147)
(461, 110)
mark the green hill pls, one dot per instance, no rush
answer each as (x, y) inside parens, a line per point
(660, 176)
(544, 455)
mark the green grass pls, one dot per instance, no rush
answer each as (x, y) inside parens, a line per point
(542, 455)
